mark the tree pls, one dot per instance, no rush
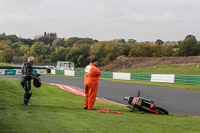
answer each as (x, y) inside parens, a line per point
(16, 46)
(16, 59)
(189, 46)
(38, 49)
(85, 48)
(157, 50)
(1, 55)
(146, 50)
(39, 59)
(12, 38)
(76, 40)
(5, 42)
(71, 41)
(159, 41)
(24, 58)
(190, 36)
(61, 52)
(47, 38)
(24, 49)
(27, 41)
(3, 36)
(6, 46)
(168, 50)
(122, 40)
(54, 57)
(75, 55)
(123, 49)
(136, 50)
(97, 50)
(51, 49)
(131, 41)
(7, 55)
(107, 51)
(58, 42)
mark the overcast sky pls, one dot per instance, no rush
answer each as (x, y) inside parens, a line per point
(143, 20)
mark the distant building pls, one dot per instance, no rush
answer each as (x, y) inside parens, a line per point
(65, 65)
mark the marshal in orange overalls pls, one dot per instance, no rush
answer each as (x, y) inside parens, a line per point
(92, 74)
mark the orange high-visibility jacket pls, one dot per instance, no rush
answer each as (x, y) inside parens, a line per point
(92, 73)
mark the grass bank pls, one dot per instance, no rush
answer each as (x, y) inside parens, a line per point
(166, 69)
(57, 111)
(5, 64)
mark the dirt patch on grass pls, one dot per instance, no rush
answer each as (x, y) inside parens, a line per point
(123, 62)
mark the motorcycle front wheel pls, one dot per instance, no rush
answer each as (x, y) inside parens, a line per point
(160, 110)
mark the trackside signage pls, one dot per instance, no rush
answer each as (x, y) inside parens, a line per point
(10, 72)
(19, 71)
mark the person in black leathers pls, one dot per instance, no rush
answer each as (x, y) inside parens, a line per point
(27, 75)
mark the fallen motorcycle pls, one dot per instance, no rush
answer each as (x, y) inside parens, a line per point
(142, 104)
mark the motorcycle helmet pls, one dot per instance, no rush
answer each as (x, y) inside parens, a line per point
(31, 60)
(37, 82)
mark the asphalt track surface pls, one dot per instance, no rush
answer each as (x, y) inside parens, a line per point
(176, 101)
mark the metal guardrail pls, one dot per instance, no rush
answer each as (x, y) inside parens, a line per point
(187, 79)
(167, 78)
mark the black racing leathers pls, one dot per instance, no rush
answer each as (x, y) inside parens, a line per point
(27, 75)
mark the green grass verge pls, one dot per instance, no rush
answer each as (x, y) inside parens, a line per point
(79, 68)
(166, 69)
(49, 74)
(55, 110)
(5, 64)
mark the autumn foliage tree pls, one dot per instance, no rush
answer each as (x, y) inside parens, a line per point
(48, 48)
(108, 50)
(150, 50)
(6, 55)
(38, 49)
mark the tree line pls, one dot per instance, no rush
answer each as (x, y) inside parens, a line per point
(48, 48)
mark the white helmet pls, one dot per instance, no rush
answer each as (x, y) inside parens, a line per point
(30, 59)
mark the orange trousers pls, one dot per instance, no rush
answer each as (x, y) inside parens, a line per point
(91, 89)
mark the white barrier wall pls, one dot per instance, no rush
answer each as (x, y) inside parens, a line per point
(18, 72)
(2, 71)
(42, 71)
(167, 78)
(69, 73)
(123, 76)
(53, 71)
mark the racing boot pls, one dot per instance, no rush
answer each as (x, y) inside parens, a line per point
(26, 102)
